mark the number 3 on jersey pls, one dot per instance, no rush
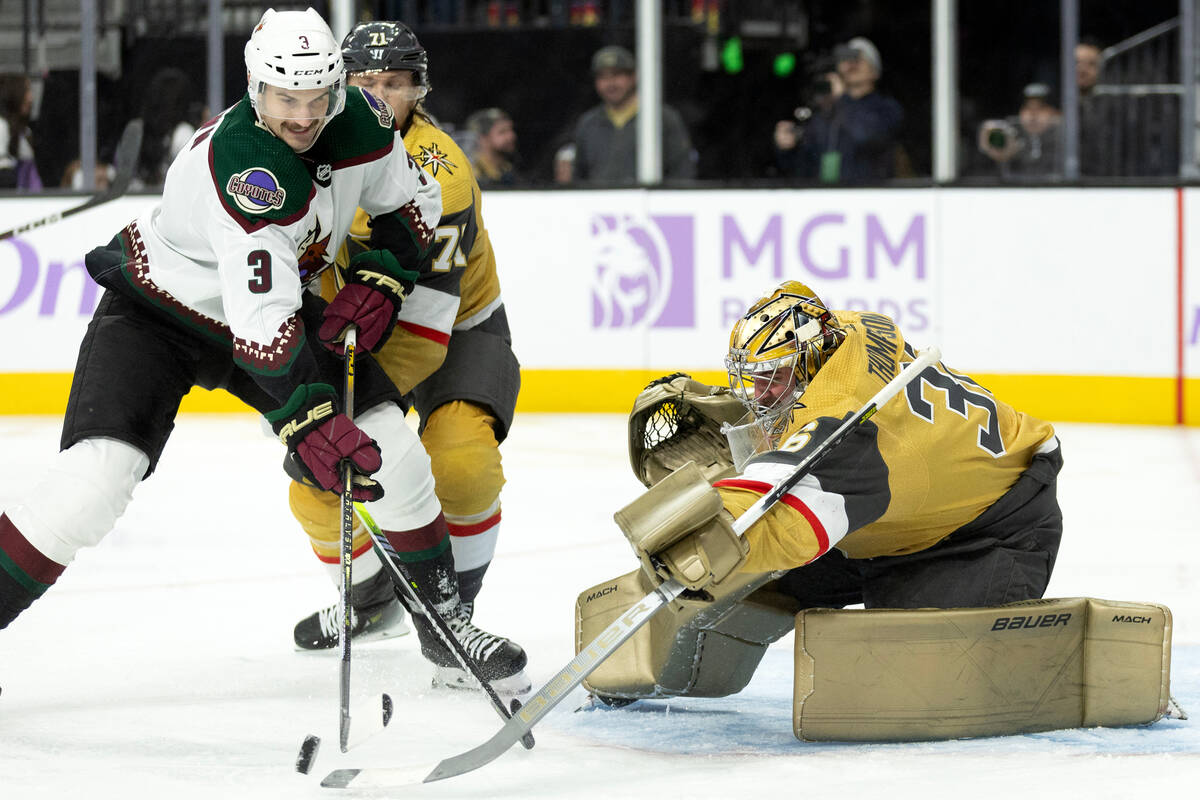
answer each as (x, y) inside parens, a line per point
(959, 391)
(260, 260)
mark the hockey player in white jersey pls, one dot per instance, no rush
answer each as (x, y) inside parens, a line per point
(452, 350)
(208, 289)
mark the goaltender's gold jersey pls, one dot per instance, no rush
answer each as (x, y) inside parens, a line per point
(931, 460)
(460, 287)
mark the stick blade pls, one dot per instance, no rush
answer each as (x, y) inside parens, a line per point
(474, 758)
(339, 778)
(393, 778)
(126, 156)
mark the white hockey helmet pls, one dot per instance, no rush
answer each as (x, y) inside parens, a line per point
(295, 50)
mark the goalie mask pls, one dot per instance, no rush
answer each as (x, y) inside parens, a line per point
(295, 52)
(777, 348)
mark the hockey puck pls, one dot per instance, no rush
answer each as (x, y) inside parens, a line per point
(527, 739)
(308, 753)
(387, 709)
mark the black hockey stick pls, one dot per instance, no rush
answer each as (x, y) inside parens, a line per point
(345, 608)
(311, 744)
(401, 577)
(595, 652)
(126, 160)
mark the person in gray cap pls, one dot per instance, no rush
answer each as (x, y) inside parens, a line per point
(855, 140)
(606, 135)
(495, 149)
(1026, 145)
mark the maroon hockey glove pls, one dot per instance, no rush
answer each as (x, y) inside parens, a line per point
(320, 440)
(375, 289)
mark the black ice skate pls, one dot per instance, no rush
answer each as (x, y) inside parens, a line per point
(499, 660)
(374, 613)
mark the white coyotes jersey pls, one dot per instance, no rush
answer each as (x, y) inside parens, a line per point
(245, 222)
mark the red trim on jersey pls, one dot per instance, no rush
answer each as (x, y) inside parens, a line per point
(25, 556)
(477, 528)
(817, 528)
(762, 487)
(374, 155)
(338, 558)
(432, 334)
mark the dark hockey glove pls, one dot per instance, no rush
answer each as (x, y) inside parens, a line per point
(376, 286)
(320, 440)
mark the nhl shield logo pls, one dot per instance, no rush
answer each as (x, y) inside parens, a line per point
(324, 174)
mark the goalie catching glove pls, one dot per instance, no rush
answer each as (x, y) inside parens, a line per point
(680, 530)
(319, 440)
(376, 287)
(676, 420)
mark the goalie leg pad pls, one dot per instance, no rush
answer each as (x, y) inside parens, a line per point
(927, 674)
(695, 647)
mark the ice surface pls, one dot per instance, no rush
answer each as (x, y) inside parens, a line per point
(161, 664)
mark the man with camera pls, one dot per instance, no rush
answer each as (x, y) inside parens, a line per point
(1027, 145)
(850, 134)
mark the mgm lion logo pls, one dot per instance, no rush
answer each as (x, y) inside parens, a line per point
(642, 271)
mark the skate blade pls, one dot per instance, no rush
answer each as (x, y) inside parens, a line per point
(393, 632)
(456, 678)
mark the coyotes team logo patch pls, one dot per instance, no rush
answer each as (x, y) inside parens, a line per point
(314, 255)
(383, 112)
(433, 158)
(256, 190)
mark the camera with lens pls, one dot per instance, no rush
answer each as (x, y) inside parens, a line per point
(1000, 134)
(818, 85)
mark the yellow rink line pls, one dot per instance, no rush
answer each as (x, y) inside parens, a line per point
(1063, 398)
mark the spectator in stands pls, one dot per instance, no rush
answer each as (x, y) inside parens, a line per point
(1088, 60)
(171, 112)
(1026, 145)
(494, 152)
(854, 138)
(17, 169)
(606, 135)
(564, 164)
(1093, 141)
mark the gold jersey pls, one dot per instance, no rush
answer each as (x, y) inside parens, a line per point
(931, 460)
(459, 288)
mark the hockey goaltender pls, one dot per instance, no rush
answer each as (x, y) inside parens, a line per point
(939, 515)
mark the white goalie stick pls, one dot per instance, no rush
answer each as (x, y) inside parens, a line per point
(125, 158)
(594, 653)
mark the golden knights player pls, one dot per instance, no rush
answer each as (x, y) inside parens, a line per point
(945, 498)
(450, 353)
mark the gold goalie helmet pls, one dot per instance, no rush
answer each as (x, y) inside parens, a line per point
(777, 348)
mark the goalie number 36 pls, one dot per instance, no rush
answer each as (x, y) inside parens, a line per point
(958, 391)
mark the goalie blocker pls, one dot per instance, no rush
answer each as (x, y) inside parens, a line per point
(897, 675)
